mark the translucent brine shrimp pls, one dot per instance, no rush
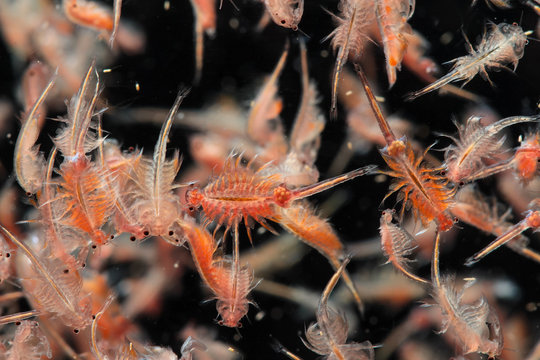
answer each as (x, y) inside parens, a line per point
(151, 198)
(475, 326)
(504, 44)
(476, 142)
(328, 336)
(349, 38)
(397, 244)
(28, 162)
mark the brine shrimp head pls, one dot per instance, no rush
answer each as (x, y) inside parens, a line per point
(285, 13)
(29, 163)
(504, 44)
(418, 185)
(476, 326)
(397, 245)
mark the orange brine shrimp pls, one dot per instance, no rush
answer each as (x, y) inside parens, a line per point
(531, 221)
(349, 37)
(239, 193)
(29, 343)
(526, 158)
(392, 16)
(504, 44)
(476, 142)
(151, 199)
(28, 162)
(475, 326)
(397, 245)
(82, 198)
(54, 286)
(419, 186)
(328, 336)
(229, 282)
(286, 13)
(300, 220)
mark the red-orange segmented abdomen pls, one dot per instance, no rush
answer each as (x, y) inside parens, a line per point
(89, 14)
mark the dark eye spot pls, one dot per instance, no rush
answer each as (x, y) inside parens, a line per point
(76, 331)
(443, 173)
(112, 237)
(171, 233)
(456, 220)
(283, 21)
(17, 323)
(8, 255)
(94, 246)
(66, 271)
(84, 265)
(146, 233)
(461, 183)
(131, 149)
(132, 238)
(28, 193)
(93, 317)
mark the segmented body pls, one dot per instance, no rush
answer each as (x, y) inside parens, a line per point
(421, 187)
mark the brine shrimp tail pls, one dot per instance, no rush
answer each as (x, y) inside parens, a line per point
(29, 164)
(452, 76)
(532, 220)
(316, 188)
(117, 10)
(387, 132)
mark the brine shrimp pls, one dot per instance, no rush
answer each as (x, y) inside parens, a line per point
(526, 158)
(286, 13)
(89, 14)
(397, 245)
(55, 286)
(475, 326)
(531, 221)
(239, 193)
(504, 44)
(205, 23)
(349, 37)
(309, 123)
(151, 199)
(471, 208)
(229, 282)
(419, 186)
(392, 16)
(302, 221)
(28, 343)
(28, 162)
(476, 142)
(328, 336)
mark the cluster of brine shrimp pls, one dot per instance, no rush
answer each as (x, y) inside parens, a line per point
(88, 194)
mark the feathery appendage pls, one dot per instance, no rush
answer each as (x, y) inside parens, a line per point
(475, 326)
(504, 44)
(476, 143)
(397, 245)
